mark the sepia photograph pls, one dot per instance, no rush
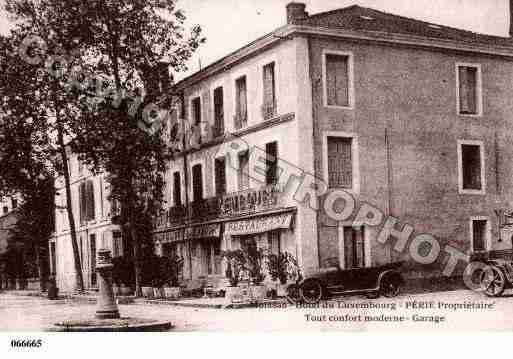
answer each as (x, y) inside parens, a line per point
(235, 166)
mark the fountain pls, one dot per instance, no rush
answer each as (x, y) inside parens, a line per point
(107, 317)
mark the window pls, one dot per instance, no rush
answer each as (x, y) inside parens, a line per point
(5, 209)
(117, 243)
(177, 189)
(353, 247)
(469, 89)
(196, 110)
(243, 172)
(340, 162)
(338, 80)
(471, 167)
(220, 176)
(197, 183)
(14, 203)
(271, 150)
(241, 103)
(480, 234)
(218, 112)
(86, 199)
(269, 90)
(92, 244)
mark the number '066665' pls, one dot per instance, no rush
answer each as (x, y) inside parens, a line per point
(26, 343)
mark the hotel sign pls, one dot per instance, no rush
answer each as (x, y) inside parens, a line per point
(251, 201)
(258, 225)
(205, 231)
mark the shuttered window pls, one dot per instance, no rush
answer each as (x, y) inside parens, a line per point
(471, 166)
(243, 170)
(340, 162)
(271, 150)
(218, 112)
(197, 183)
(90, 207)
(196, 110)
(241, 104)
(468, 91)
(82, 202)
(177, 189)
(337, 80)
(220, 176)
(269, 85)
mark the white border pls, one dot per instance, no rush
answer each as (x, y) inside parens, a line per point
(461, 190)
(355, 158)
(488, 234)
(350, 64)
(479, 89)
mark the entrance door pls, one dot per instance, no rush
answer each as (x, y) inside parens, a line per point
(354, 248)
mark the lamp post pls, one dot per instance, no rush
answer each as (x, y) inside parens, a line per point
(106, 307)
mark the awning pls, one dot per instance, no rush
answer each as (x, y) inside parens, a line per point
(258, 225)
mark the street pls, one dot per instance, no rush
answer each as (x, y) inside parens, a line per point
(455, 310)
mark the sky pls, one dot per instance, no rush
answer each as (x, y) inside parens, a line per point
(231, 24)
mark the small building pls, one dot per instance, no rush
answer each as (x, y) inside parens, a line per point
(93, 214)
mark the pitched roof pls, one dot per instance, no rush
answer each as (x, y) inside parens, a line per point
(359, 18)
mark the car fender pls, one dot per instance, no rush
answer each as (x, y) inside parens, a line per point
(387, 274)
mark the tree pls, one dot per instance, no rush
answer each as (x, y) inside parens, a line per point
(129, 47)
(37, 109)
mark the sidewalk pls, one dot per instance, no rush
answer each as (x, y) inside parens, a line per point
(213, 303)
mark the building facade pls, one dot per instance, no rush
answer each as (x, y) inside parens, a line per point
(92, 213)
(410, 117)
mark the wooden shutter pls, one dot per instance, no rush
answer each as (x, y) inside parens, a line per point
(243, 170)
(218, 111)
(197, 183)
(271, 150)
(269, 85)
(177, 189)
(82, 201)
(340, 166)
(196, 110)
(471, 163)
(242, 105)
(90, 200)
(472, 89)
(337, 80)
(220, 173)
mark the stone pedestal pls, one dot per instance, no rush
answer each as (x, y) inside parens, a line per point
(106, 307)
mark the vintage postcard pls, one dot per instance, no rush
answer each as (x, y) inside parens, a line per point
(255, 166)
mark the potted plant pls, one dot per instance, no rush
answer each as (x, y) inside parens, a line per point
(255, 259)
(171, 270)
(235, 265)
(281, 267)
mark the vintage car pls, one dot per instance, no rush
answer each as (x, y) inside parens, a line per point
(497, 277)
(383, 280)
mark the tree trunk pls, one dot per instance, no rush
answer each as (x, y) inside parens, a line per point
(79, 284)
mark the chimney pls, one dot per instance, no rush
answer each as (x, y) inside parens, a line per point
(511, 18)
(296, 12)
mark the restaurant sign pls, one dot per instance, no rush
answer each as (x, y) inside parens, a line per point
(258, 225)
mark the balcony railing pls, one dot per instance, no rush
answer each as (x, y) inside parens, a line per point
(229, 205)
(269, 110)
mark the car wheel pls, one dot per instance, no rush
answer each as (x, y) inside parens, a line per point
(311, 291)
(493, 281)
(390, 287)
